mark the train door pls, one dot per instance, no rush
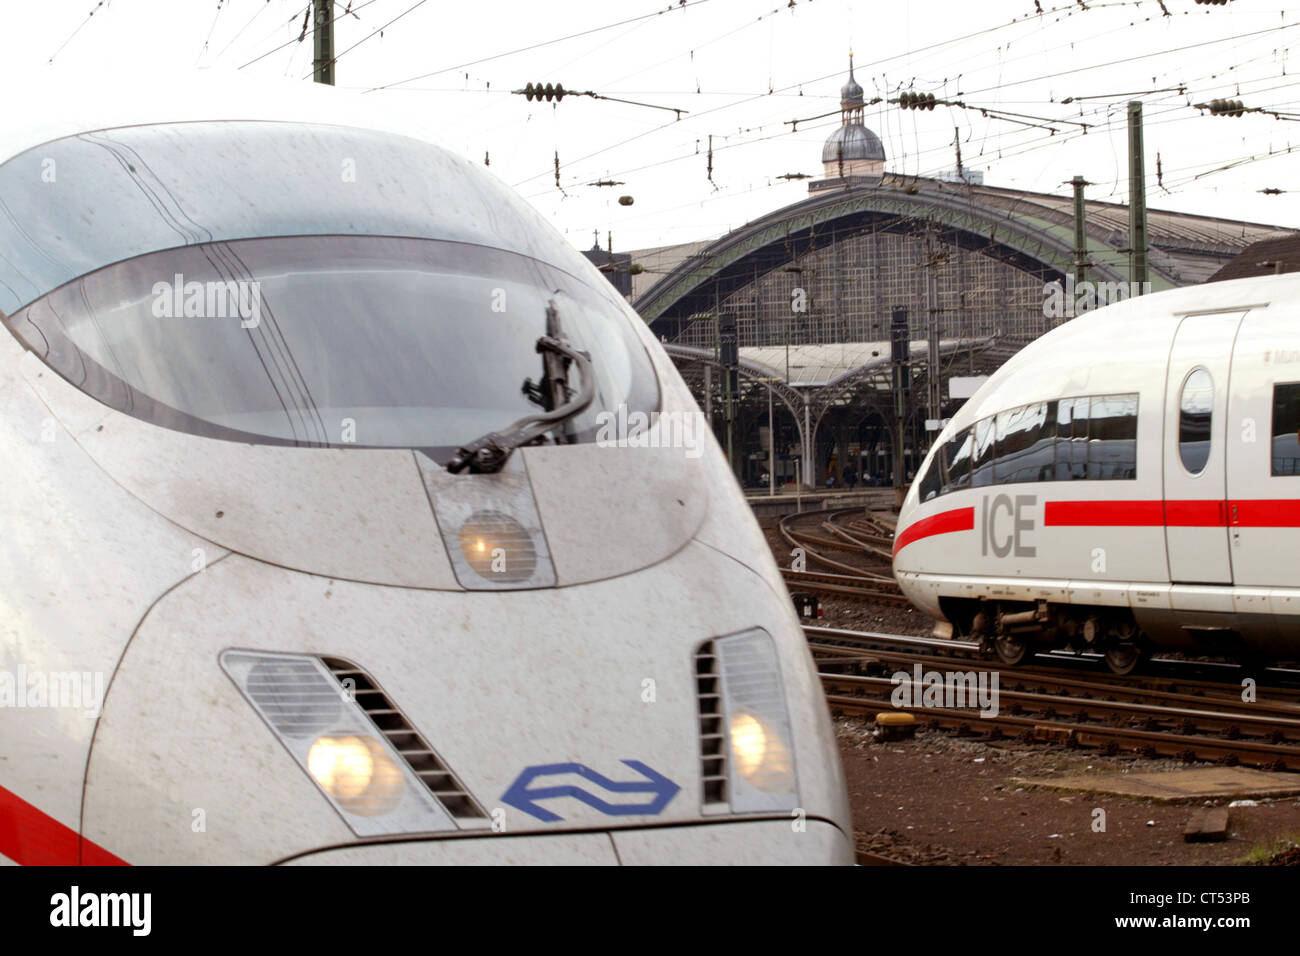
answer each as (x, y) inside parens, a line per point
(1264, 477)
(1195, 448)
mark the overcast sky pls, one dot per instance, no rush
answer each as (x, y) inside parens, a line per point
(741, 68)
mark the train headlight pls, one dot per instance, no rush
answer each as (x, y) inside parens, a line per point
(490, 526)
(761, 767)
(498, 547)
(760, 754)
(357, 773)
(336, 743)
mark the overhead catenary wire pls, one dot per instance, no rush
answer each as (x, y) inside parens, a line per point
(301, 36)
(215, 17)
(683, 5)
(79, 28)
(375, 32)
(732, 192)
(240, 32)
(1010, 153)
(1101, 66)
(1072, 71)
(920, 156)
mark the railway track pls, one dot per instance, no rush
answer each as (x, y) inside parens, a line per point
(1175, 717)
(863, 542)
(872, 588)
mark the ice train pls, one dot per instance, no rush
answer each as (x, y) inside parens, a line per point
(311, 551)
(1126, 483)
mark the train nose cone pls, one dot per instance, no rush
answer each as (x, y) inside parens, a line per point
(364, 514)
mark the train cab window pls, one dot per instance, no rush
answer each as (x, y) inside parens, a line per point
(1072, 439)
(1025, 439)
(956, 459)
(394, 335)
(1286, 429)
(983, 453)
(238, 301)
(1112, 437)
(931, 485)
(1195, 411)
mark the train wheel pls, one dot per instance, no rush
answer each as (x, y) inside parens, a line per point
(1124, 658)
(1011, 650)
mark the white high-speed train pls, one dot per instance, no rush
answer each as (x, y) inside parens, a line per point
(319, 543)
(1129, 481)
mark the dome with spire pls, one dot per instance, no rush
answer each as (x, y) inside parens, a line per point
(852, 153)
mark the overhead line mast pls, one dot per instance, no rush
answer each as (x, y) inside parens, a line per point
(323, 40)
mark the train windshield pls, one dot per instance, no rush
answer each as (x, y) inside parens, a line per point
(331, 340)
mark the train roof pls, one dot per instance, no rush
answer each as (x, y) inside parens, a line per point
(221, 157)
(68, 101)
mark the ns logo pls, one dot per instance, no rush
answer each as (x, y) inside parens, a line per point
(1005, 525)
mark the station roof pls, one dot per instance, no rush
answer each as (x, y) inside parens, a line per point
(658, 261)
(817, 366)
(1185, 247)
(1264, 258)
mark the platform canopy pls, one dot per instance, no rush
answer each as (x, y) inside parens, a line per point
(853, 378)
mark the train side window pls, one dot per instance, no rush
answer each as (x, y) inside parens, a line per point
(956, 459)
(984, 452)
(1195, 413)
(1072, 439)
(1112, 437)
(1286, 429)
(1025, 438)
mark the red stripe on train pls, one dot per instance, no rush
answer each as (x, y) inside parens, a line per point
(1196, 514)
(1078, 514)
(1266, 513)
(958, 519)
(1214, 513)
(32, 837)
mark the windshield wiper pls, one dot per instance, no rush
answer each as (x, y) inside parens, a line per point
(490, 453)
